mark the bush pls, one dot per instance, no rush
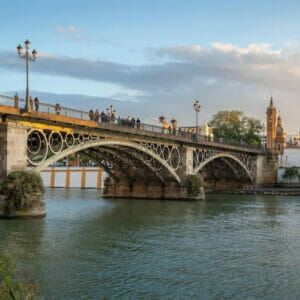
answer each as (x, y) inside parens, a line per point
(193, 184)
(19, 188)
(9, 288)
(291, 173)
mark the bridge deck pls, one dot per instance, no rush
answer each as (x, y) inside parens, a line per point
(146, 130)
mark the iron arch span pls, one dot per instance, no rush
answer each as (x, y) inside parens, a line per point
(103, 143)
(224, 155)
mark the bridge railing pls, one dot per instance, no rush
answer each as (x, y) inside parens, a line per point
(124, 123)
(49, 108)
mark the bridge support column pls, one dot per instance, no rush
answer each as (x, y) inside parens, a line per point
(186, 166)
(152, 190)
(13, 148)
(266, 169)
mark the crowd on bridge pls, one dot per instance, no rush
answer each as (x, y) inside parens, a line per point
(112, 118)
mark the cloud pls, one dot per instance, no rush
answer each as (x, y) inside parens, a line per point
(224, 76)
(257, 65)
(72, 32)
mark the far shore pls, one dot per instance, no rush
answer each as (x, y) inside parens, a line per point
(283, 191)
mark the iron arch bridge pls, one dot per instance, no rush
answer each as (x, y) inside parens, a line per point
(150, 160)
(143, 161)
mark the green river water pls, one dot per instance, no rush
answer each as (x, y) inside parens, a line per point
(226, 247)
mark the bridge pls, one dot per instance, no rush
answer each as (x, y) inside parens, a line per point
(143, 161)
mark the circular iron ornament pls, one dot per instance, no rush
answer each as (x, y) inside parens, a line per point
(55, 142)
(159, 150)
(34, 142)
(80, 138)
(175, 158)
(166, 153)
(37, 147)
(70, 140)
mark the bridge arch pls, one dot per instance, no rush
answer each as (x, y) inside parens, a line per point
(223, 155)
(106, 142)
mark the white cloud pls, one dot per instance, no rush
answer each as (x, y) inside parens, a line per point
(72, 32)
(223, 76)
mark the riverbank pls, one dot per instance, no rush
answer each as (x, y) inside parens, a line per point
(259, 191)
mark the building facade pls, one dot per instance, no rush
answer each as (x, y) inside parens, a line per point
(276, 136)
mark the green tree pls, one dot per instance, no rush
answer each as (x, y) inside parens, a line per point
(291, 173)
(235, 126)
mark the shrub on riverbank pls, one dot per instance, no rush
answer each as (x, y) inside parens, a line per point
(10, 289)
(193, 184)
(23, 191)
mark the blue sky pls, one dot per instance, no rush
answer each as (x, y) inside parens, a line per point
(157, 54)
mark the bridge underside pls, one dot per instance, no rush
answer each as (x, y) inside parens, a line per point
(224, 173)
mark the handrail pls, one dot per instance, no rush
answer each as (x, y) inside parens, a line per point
(84, 115)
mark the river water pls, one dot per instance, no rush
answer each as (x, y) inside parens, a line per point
(228, 246)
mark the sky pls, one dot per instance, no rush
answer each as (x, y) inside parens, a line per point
(149, 58)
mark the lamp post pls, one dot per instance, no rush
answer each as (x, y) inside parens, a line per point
(197, 109)
(111, 111)
(28, 57)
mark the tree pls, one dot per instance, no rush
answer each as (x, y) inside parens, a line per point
(235, 126)
(291, 173)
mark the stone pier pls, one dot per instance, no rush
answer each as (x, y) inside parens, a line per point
(13, 148)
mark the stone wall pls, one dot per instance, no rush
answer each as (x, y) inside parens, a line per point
(13, 148)
(266, 170)
(153, 190)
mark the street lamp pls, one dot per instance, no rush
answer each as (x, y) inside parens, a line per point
(111, 111)
(28, 57)
(197, 109)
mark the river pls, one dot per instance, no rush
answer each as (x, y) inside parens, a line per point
(228, 246)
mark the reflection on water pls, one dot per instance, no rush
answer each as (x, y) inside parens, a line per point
(225, 247)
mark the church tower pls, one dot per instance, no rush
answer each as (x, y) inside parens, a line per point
(280, 137)
(271, 127)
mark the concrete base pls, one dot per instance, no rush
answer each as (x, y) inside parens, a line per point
(139, 190)
(13, 148)
(38, 211)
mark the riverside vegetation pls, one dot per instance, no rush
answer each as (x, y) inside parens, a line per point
(22, 195)
(10, 288)
(194, 183)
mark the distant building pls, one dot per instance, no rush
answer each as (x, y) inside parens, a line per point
(293, 141)
(203, 130)
(276, 136)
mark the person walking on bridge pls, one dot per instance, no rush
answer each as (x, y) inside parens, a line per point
(57, 108)
(138, 123)
(36, 103)
(91, 115)
(16, 101)
(97, 115)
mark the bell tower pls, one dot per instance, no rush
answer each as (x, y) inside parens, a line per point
(271, 127)
(280, 137)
